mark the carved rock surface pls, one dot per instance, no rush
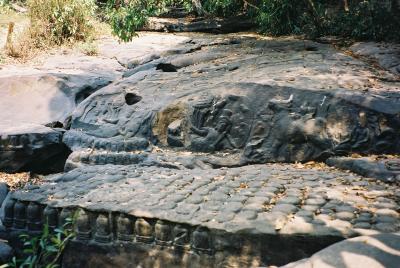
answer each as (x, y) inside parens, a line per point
(31, 147)
(264, 100)
(375, 251)
(384, 169)
(46, 94)
(260, 214)
(169, 160)
(387, 55)
(32, 98)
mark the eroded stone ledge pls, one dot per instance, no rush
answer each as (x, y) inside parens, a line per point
(217, 212)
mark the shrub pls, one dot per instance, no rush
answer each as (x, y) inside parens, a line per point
(279, 17)
(54, 22)
(358, 19)
(367, 20)
(89, 48)
(46, 249)
(362, 19)
(126, 17)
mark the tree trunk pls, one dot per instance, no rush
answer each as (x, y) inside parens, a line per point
(198, 7)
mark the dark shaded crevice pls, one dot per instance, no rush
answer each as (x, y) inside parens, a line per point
(167, 67)
(55, 124)
(132, 98)
(48, 162)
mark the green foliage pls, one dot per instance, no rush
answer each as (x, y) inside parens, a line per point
(128, 16)
(89, 48)
(224, 8)
(44, 251)
(279, 17)
(61, 21)
(364, 19)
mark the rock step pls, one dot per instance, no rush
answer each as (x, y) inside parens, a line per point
(264, 214)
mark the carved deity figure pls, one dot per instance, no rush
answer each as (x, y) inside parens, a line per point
(359, 138)
(208, 139)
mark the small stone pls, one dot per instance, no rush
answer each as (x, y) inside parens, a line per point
(238, 198)
(187, 209)
(305, 213)
(285, 208)
(386, 227)
(60, 195)
(315, 202)
(387, 212)
(345, 208)
(225, 217)
(195, 199)
(310, 208)
(344, 215)
(247, 214)
(233, 206)
(326, 211)
(253, 206)
(386, 219)
(6, 253)
(289, 200)
(362, 225)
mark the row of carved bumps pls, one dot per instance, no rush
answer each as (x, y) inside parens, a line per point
(103, 158)
(28, 140)
(80, 140)
(99, 227)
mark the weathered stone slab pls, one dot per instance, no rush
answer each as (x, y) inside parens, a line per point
(271, 208)
(207, 25)
(383, 169)
(265, 100)
(387, 55)
(165, 169)
(51, 91)
(35, 99)
(147, 47)
(376, 251)
(44, 95)
(31, 147)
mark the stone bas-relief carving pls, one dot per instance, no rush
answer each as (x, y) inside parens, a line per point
(233, 214)
(260, 126)
(387, 170)
(233, 111)
(160, 164)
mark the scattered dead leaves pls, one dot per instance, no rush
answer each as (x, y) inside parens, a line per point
(313, 165)
(19, 180)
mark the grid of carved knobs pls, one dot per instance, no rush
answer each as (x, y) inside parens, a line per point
(97, 227)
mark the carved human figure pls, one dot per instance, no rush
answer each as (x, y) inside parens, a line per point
(202, 240)
(209, 139)
(51, 216)
(103, 233)
(113, 110)
(19, 215)
(88, 109)
(124, 228)
(162, 231)
(144, 231)
(359, 137)
(9, 213)
(181, 238)
(296, 134)
(34, 216)
(83, 225)
(386, 138)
